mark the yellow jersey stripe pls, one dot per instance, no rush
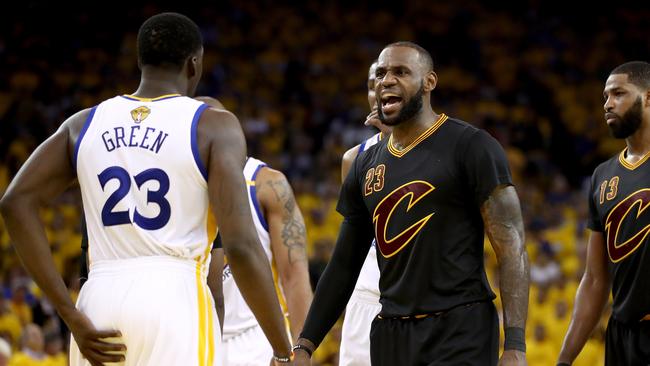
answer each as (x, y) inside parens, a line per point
(151, 99)
(399, 153)
(209, 307)
(283, 301)
(201, 302)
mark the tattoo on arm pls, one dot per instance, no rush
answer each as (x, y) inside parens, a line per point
(293, 229)
(504, 226)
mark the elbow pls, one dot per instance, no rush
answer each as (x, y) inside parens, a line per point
(244, 250)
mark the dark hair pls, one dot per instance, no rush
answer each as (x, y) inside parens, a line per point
(638, 73)
(424, 54)
(168, 39)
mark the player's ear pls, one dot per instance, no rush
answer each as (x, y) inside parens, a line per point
(430, 81)
(191, 66)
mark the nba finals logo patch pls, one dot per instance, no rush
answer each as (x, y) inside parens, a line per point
(139, 114)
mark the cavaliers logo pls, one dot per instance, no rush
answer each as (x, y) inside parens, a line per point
(619, 251)
(139, 114)
(414, 191)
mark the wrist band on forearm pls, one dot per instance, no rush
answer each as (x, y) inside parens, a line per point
(286, 359)
(515, 339)
(302, 347)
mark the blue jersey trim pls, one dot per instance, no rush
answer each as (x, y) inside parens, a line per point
(256, 204)
(362, 147)
(195, 145)
(82, 133)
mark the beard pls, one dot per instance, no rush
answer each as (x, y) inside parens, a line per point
(410, 109)
(629, 123)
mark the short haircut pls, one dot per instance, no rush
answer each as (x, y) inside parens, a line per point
(168, 39)
(424, 54)
(638, 73)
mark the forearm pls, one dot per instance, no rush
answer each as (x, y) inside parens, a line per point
(31, 244)
(591, 299)
(299, 296)
(337, 282)
(513, 287)
(216, 289)
(254, 279)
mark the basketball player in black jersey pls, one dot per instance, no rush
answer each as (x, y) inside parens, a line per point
(427, 194)
(618, 253)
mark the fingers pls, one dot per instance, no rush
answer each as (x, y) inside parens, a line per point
(107, 334)
(107, 347)
(99, 358)
(372, 119)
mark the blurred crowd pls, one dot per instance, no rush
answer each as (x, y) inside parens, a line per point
(295, 76)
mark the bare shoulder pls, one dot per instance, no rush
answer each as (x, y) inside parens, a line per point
(219, 125)
(267, 174)
(212, 102)
(351, 154)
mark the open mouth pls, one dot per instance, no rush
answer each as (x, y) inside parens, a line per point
(390, 103)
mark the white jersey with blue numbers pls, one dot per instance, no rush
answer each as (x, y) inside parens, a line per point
(143, 184)
(238, 316)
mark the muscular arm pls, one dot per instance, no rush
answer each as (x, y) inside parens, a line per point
(44, 176)
(288, 240)
(591, 299)
(223, 150)
(215, 283)
(504, 226)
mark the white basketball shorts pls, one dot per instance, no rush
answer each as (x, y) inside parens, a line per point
(162, 306)
(355, 335)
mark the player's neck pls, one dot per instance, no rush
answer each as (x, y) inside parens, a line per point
(408, 131)
(638, 144)
(155, 83)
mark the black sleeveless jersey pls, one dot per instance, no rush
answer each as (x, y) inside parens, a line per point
(618, 199)
(424, 202)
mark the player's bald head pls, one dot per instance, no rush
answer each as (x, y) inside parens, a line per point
(425, 59)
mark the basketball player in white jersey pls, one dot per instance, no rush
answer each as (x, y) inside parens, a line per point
(148, 166)
(364, 304)
(281, 229)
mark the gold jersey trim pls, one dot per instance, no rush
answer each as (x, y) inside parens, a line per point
(632, 166)
(399, 153)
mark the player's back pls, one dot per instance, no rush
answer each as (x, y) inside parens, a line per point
(142, 181)
(145, 198)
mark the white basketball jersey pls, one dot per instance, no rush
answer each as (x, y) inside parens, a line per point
(238, 316)
(368, 281)
(143, 184)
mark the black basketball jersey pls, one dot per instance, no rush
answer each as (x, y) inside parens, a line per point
(424, 202)
(618, 199)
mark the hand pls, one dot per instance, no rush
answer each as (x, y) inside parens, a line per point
(513, 358)
(373, 120)
(301, 358)
(90, 343)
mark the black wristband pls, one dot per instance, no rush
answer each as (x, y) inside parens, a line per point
(515, 339)
(302, 347)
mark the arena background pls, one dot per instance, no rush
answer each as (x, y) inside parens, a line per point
(531, 74)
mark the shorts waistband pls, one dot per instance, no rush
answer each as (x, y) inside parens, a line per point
(143, 264)
(427, 315)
